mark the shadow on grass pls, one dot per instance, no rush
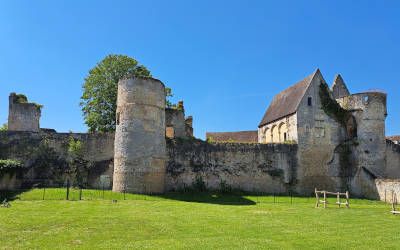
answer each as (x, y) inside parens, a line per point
(209, 197)
(10, 195)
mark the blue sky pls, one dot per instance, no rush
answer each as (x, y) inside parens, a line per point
(225, 59)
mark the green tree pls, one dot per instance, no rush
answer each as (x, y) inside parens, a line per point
(4, 127)
(99, 98)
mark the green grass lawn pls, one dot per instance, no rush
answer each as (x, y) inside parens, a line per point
(198, 221)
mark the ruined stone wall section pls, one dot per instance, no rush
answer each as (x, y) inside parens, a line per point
(369, 110)
(23, 116)
(189, 126)
(266, 168)
(175, 121)
(140, 148)
(30, 147)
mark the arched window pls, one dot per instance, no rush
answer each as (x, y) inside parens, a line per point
(266, 135)
(274, 134)
(283, 132)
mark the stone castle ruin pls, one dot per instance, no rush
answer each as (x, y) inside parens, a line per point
(23, 116)
(310, 136)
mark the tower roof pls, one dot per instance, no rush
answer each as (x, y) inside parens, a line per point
(287, 101)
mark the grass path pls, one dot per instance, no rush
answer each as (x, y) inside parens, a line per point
(167, 223)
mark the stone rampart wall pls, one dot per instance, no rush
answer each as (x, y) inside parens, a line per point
(249, 167)
(45, 157)
(392, 160)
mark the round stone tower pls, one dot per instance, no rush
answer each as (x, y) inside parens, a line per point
(140, 146)
(369, 110)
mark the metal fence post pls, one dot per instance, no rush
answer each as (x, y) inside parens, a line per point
(44, 192)
(67, 189)
(103, 191)
(80, 194)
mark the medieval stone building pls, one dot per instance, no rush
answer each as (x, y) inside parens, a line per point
(311, 136)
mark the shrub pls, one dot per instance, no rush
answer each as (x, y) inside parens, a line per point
(4, 127)
(9, 165)
(224, 187)
(199, 184)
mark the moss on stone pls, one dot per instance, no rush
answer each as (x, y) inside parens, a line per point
(38, 106)
(21, 98)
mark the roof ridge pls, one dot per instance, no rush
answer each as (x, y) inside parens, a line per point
(287, 101)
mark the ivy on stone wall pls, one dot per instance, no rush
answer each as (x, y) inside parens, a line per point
(331, 107)
(78, 166)
(9, 166)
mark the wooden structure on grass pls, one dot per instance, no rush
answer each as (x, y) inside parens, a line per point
(394, 203)
(324, 201)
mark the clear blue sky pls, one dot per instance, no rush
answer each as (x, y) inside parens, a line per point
(225, 59)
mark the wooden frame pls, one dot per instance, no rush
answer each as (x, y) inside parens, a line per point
(338, 198)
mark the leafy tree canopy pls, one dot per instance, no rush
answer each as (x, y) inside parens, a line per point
(4, 127)
(99, 98)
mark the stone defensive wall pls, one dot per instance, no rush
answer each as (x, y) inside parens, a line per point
(267, 168)
(190, 162)
(45, 158)
(392, 159)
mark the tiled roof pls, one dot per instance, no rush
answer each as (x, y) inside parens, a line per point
(240, 136)
(393, 137)
(287, 101)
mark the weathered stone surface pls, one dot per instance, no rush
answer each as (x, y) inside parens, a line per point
(140, 149)
(386, 189)
(250, 167)
(392, 163)
(45, 157)
(369, 111)
(338, 148)
(279, 131)
(23, 116)
(339, 88)
(175, 122)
